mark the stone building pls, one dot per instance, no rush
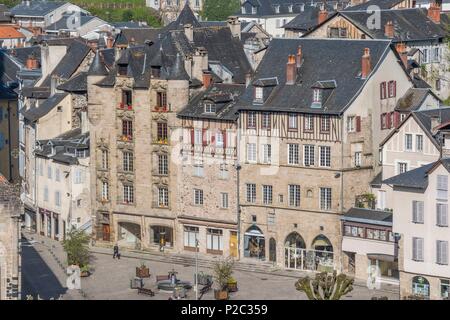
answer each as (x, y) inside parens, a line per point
(10, 260)
(169, 10)
(309, 132)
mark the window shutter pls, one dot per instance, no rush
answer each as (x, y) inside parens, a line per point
(358, 123)
(382, 123)
(394, 89)
(204, 142)
(388, 120)
(381, 91)
(414, 247)
(444, 252)
(420, 211)
(420, 249)
(396, 119)
(414, 211)
(224, 135)
(213, 138)
(192, 136)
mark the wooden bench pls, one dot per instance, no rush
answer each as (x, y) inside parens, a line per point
(160, 278)
(146, 291)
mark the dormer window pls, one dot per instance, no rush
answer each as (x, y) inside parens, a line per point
(210, 108)
(259, 94)
(277, 9)
(253, 10)
(290, 8)
(156, 72)
(123, 69)
(317, 96)
(243, 10)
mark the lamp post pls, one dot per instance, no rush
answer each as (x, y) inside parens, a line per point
(196, 269)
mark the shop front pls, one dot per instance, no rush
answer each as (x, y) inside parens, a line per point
(254, 243)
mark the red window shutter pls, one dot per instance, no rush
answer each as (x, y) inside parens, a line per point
(396, 119)
(204, 137)
(358, 124)
(381, 91)
(382, 121)
(213, 139)
(388, 120)
(224, 134)
(192, 136)
(394, 83)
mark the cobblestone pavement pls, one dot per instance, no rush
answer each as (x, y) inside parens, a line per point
(111, 279)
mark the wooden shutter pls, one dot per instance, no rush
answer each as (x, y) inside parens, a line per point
(358, 123)
(420, 211)
(224, 135)
(394, 89)
(192, 136)
(388, 120)
(414, 211)
(213, 138)
(414, 248)
(444, 252)
(419, 249)
(204, 142)
(382, 90)
(382, 122)
(396, 119)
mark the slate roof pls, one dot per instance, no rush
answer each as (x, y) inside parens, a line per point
(371, 216)
(222, 96)
(416, 178)
(307, 19)
(76, 52)
(77, 83)
(98, 67)
(409, 24)
(413, 99)
(36, 8)
(62, 24)
(128, 24)
(186, 16)
(382, 4)
(33, 113)
(70, 139)
(140, 36)
(22, 54)
(338, 60)
(267, 7)
(5, 14)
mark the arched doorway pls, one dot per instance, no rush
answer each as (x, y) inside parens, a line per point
(161, 236)
(321, 257)
(421, 287)
(294, 251)
(254, 243)
(272, 250)
(129, 234)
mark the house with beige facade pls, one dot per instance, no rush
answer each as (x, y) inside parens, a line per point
(424, 40)
(309, 132)
(420, 217)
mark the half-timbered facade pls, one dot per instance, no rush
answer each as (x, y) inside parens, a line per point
(309, 132)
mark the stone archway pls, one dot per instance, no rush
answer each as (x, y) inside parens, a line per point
(294, 251)
(129, 234)
(254, 243)
(420, 287)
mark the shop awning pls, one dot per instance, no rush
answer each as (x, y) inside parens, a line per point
(382, 257)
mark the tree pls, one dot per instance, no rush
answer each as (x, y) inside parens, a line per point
(76, 246)
(219, 10)
(325, 286)
(222, 272)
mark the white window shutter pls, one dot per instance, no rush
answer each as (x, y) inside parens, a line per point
(444, 215)
(414, 211)
(420, 211)
(420, 249)
(444, 252)
(414, 248)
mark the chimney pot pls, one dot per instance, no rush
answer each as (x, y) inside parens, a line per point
(290, 70)
(299, 56)
(401, 50)
(323, 15)
(366, 67)
(109, 42)
(389, 29)
(207, 78)
(434, 12)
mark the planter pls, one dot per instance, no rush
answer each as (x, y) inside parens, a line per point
(221, 294)
(142, 272)
(232, 286)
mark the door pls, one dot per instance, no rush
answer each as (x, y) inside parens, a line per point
(106, 232)
(233, 244)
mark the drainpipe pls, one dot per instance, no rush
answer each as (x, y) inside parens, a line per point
(9, 142)
(342, 186)
(238, 207)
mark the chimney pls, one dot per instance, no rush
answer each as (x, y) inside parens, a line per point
(290, 70)
(132, 41)
(434, 12)
(207, 78)
(31, 63)
(389, 29)
(435, 121)
(248, 79)
(54, 82)
(189, 32)
(299, 56)
(109, 42)
(366, 67)
(234, 24)
(323, 15)
(84, 121)
(401, 50)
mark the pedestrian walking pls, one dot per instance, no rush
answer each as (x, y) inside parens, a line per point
(116, 252)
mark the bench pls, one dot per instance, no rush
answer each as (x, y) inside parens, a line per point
(146, 291)
(160, 278)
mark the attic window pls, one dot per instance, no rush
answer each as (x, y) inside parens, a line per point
(123, 69)
(259, 93)
(156, 72)
(253, 10)
(317, 96)
(243, 10)
(277, 9)
(290, 8)
(210, 108)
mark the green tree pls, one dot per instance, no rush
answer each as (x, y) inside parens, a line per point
(76, 246)
(127, 15)
(325, 286)
(223, 269)
(219, 10)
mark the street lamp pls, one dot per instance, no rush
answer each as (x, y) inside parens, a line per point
(196, 269)
(238, 168)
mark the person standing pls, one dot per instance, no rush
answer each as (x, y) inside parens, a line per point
(116, 252)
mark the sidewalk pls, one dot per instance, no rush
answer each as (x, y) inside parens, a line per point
(203, 262)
